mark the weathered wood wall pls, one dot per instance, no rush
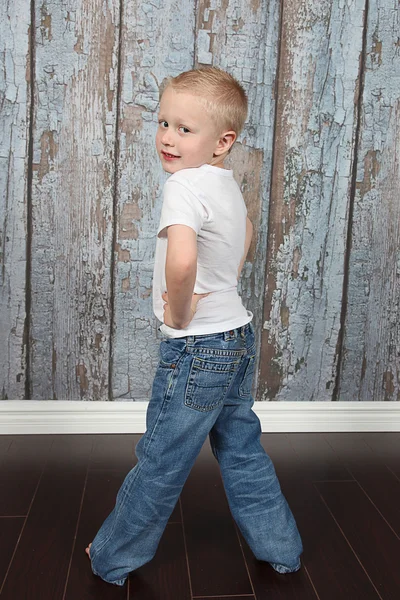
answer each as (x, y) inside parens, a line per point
(73, 131)
(319, 76)
(318, 163)
(15, 103)
(370, 361)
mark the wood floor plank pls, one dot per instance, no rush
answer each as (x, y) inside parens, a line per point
(318, 458)
(20, 469)
(40, 564)
(369, 469)
(216, 562)
(5, 443)
(113, 451)
(99, 500)
(248, 597)
(386, 445)
(166, 576)
(10, 529)
(374, 542)
(331, 564)
(268, 583)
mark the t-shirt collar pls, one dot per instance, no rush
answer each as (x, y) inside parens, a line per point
(217, 170)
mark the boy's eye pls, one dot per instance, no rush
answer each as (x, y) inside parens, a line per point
(163, 124)
(184, 129)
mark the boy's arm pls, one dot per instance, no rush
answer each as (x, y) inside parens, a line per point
(249, 235)
(181, 271)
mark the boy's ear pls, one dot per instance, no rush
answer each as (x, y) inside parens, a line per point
(225, 143)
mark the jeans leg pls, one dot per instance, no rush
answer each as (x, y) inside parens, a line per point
(174, 436)
(252, 487)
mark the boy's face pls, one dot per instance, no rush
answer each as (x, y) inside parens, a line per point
(186, 135)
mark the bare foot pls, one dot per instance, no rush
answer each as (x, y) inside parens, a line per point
(88, 550)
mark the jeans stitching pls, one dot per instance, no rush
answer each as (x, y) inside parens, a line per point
(166, 398)
(250, 365)
(190, 388)
(215, 351)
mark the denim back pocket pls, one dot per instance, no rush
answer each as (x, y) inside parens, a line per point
(247, 381)
(208, 382)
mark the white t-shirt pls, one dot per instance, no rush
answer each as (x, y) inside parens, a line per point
(208, 200)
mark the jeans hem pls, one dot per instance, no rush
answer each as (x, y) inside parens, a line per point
(284, 569)
(116, 582)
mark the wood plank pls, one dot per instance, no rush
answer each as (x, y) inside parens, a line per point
(370, 367)
(242, 38)
(10, 530)
(157, 41)
(317, 458)
(210, 533)
(268, 583)
(365, 529)
(311, 182)
(248, 597)
(15, 91)
(387, 446)
(378, 483)
(113, 452)
(20, 471)
(323, 557)
(99, 500)
(166, 576)
(5, 443)
(74, 136)
(43, 553)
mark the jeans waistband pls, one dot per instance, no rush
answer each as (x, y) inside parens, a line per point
(225, 335)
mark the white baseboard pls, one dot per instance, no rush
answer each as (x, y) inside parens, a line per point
(49, 416)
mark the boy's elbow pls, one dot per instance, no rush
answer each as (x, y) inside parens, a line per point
(186, 270)
(182, 270)
(188, 261)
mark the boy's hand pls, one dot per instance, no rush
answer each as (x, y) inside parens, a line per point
(193, 307)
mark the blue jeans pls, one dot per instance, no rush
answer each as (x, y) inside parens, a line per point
(202, 387)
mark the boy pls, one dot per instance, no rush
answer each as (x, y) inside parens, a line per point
(203, 381)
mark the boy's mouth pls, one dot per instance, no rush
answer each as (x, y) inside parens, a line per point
(168, 156)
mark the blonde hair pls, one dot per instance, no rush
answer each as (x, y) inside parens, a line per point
(222, 95)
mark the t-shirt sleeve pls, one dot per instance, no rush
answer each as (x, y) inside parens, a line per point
(180, 207)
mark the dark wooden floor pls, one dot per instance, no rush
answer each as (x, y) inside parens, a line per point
(344, 490)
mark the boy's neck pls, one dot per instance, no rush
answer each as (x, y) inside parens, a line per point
(219, 163)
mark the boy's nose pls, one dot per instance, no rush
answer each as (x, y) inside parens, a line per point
(167, 139)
